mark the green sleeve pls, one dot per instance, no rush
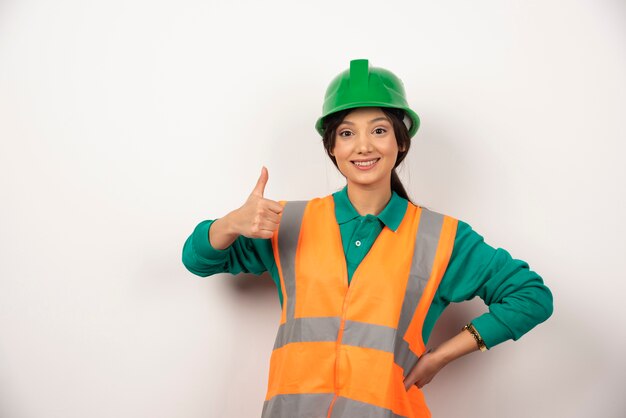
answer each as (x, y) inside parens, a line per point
(517, 298)
(247, 255)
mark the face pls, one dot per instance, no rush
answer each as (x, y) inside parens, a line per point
(366, 148)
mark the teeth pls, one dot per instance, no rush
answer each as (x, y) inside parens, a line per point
(365, 163)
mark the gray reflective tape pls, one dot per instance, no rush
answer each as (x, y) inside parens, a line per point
(349, 408)
(308, 329)
(426, 242)
(310, 405)
(404, 356)
(362, 334)
(288, 235)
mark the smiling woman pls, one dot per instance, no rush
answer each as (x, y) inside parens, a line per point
(363, 274)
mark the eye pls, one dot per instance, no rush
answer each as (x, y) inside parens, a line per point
(341, 134)
(380, 129)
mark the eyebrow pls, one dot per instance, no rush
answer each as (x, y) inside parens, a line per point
(373, 120)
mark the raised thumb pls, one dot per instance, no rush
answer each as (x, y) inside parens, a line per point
(259, 189)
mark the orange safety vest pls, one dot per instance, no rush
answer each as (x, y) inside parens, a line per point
(343, 351)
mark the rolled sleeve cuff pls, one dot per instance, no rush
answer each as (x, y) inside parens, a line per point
(202, 245)
(491, 330)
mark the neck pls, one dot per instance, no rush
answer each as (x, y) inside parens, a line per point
(369, 200)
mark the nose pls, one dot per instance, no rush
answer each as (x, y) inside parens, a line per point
(363, 144)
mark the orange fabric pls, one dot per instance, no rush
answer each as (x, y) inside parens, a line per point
(321, 285)
(379, 282)
(363, 372)
(375, 296)
(283, 315)
(409, 403)
(418, 409)
(290, 368)
(442, 256)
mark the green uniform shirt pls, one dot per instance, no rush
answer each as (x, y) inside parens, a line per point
(517, 297)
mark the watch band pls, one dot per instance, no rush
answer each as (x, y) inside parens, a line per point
(479, 341)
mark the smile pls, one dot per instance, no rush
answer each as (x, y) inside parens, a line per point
(365, 165)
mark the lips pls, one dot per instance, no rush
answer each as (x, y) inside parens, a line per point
(365, 164)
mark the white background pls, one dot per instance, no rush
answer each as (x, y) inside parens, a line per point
(124, 123)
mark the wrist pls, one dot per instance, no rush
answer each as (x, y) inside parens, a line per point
(231, 223)
(479, 340)
(457, 346)
(221, 235)
(442, 355)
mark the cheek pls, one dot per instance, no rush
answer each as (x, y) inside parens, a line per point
(341, 153)
(392, 145)
(390, 149)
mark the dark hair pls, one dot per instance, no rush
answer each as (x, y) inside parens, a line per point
(332, 121)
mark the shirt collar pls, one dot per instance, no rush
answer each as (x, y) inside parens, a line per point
(391, 215)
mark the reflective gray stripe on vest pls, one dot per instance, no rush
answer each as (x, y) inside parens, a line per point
(316, 405)
(426, 242)
(311, 405)
(308, 329)
(288, 235)
(349, 408)
(360, 334)
(363, 334)
(404, 356)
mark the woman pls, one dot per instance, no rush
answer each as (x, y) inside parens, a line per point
(363, 274)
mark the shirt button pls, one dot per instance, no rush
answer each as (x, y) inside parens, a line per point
(357, 243)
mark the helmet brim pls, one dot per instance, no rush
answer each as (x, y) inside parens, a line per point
(415, 120)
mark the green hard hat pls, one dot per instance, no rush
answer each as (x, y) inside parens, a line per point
(364, 86)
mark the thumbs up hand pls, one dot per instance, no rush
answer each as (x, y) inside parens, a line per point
(258, 217)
